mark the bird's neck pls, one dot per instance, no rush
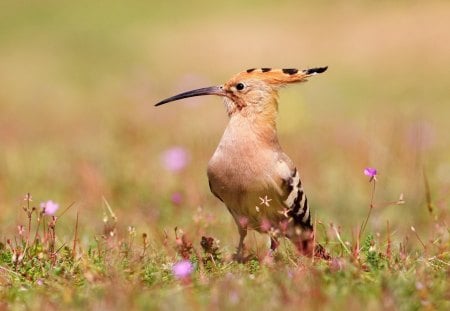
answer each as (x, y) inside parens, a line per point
(254, 125)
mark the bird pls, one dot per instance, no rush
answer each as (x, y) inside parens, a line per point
(249, 172)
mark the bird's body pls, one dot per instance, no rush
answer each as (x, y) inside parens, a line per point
(255, 191)
(249, 172)
(239, 181)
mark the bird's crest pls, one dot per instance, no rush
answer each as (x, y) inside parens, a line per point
(278, 76)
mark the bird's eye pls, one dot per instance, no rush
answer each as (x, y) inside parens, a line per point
(240, 86)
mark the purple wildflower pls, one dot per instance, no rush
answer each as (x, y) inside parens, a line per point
(49, 207)
(182, 269)
(176, 198)
(371, 172)
(175, 159)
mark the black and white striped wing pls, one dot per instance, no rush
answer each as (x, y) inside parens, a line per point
(295, 200)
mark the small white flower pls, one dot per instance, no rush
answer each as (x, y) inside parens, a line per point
(284, 212)
(265, 201)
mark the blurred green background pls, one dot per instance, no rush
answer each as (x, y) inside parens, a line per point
(78, 81)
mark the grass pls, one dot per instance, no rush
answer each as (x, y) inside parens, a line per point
(132, 271)
(78, 126)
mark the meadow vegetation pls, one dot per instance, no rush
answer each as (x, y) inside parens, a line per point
(104, 198)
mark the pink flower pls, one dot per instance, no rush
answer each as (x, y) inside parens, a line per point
(176, 198)
(371, 172)
(182, 269)
(49, 207)
(175, 159)
(21, 229)
(243, 221)
(265, 225)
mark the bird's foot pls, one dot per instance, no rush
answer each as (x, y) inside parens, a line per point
(309, 248)
(321, 252)
(240, 258)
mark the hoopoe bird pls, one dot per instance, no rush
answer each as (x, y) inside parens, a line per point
(249, 172)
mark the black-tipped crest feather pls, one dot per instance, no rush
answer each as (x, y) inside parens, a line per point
(316, 70)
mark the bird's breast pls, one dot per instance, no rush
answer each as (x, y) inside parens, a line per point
(240, 174)
(232, 175)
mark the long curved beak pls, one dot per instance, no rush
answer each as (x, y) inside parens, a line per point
(212, 90)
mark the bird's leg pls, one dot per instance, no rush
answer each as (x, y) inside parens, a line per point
(274, 243)
(304, 242)
(239, 257)
(306, 246)
(268, 259)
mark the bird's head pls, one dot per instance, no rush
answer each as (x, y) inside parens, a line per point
(253, 90)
